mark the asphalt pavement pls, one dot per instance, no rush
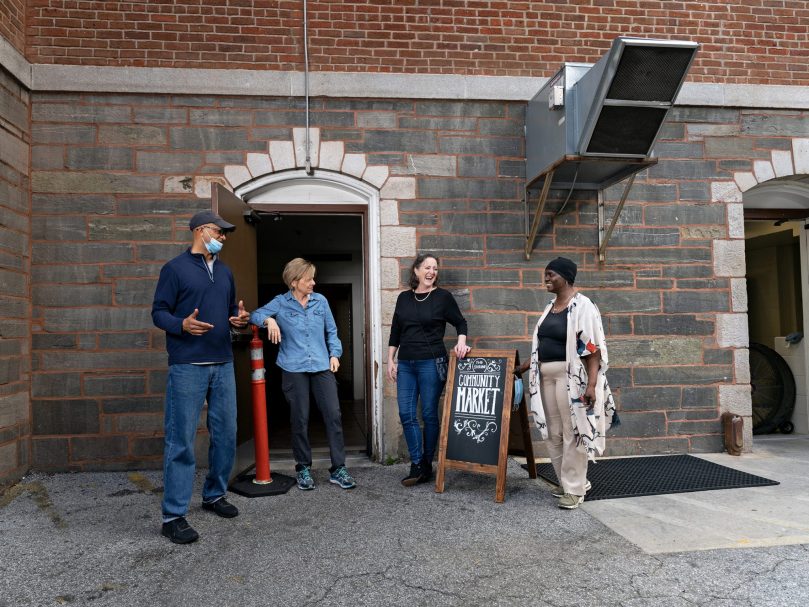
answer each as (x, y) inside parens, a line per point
(94, 539)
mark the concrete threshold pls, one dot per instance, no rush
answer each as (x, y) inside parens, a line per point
(730, 518)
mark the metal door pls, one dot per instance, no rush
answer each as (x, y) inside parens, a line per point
(240, 255)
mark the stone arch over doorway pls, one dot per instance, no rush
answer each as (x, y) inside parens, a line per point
(339, 176)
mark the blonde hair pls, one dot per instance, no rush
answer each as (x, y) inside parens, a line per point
(296, 269)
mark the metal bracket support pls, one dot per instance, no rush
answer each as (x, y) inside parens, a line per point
(604, 235)
(543, 198)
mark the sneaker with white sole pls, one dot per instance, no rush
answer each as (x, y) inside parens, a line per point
(343, 478)
(304, 478)
(569, 501)
(559, 492)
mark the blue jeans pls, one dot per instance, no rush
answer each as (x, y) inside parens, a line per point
(419, 378)
(187, 389)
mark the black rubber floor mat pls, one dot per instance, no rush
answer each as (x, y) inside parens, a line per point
(658, 475)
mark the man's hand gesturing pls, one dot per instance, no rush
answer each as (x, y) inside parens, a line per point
(239, 321)
(195, 327)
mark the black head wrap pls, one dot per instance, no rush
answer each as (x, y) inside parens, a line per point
(564, 267)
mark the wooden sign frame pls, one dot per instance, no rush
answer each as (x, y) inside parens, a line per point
(512, 361)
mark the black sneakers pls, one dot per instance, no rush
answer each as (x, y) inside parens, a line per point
(414, 476)
(179, 531)
(222, 507)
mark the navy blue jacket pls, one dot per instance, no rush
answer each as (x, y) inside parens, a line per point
(186, 283)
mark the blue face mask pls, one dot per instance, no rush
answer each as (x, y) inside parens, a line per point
(518, 391)
(213, 246)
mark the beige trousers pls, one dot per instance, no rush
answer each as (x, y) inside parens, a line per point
(569, 463)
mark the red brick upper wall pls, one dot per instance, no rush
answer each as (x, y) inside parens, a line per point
(757, 41)
(12, 23)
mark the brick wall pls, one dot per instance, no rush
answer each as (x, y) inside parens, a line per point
(755, 41)
(12, 23)
(15, 262)
(113, 186)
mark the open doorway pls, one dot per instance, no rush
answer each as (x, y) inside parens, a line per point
(776, 262)
(334, 242)
(776, 214)
(773, 262)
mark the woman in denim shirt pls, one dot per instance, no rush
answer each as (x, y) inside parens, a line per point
(309, 356)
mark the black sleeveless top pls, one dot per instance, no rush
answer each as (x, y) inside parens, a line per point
(552, 335)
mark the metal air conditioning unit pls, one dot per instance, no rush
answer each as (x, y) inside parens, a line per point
(591, 126)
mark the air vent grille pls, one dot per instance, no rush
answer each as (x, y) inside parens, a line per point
(649, 73)
(625, 130)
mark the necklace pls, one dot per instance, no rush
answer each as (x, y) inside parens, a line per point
(555, 310)
(420, 300)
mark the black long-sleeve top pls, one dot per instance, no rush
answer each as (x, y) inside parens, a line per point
(418, 326)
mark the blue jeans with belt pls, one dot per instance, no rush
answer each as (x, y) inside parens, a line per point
(419, 378)
(187, 389)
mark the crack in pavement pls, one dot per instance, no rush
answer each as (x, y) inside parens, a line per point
(328, 591)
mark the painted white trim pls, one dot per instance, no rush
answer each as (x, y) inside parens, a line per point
(779, 183)
(15, 63)
(800, 415)
(370, 196)
(778, 194)
(365, 193)
(189, 81)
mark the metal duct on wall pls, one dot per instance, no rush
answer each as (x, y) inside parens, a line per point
(606, 112)
(591, 126)
(629, 92)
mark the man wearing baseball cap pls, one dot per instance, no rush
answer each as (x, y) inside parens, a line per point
(195, 304)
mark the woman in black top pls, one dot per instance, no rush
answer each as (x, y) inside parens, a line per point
(417, 332)
(569, 396)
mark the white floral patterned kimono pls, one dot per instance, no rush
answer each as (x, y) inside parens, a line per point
(585, 335)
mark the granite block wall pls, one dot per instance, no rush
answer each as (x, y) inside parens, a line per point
(96, 190)
(15, 285)
(115, 178)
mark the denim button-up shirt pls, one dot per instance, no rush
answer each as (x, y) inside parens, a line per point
(308, 335)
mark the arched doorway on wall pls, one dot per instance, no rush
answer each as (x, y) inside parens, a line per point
(332, 220)
(776, 221)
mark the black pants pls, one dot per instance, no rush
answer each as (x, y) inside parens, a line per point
(323, 386)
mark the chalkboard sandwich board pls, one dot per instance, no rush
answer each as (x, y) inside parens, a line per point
(477, 412)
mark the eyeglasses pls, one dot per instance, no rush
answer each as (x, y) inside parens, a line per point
(216, 231)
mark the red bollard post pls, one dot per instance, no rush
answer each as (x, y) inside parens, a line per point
(258, 382)
(263, 483)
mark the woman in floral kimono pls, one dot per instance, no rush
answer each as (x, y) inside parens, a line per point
(569, 397)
